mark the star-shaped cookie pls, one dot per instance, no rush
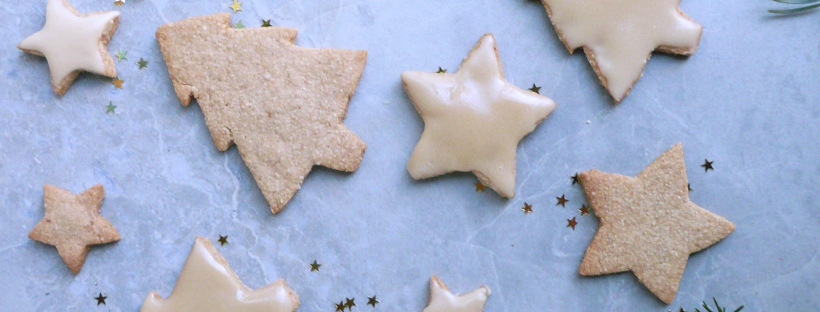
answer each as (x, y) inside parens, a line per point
(282, 104)
(473, 119)
(648, 225)
(207, 283)
(618, 36)
(442, 300)
(73, 224)
(72, 42)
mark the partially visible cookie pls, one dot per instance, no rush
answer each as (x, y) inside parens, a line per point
(443, 300)
(73, 224)
(282, 104)
(73, 42)
(648, 224)
(207, 283)
(618, 36)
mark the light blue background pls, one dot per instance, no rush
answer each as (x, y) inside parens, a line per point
(748, 99)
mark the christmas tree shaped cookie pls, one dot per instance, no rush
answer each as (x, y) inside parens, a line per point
(282, 105)
(207, 283)
(618, 36)
(648, 224)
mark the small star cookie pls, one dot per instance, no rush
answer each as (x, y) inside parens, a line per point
(207, 283)
(618, 36)
(473, 119)
(72, 42)
(281, 104)
(442, 300)
(648, 225)
(73, 224)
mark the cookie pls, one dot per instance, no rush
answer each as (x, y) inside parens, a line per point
(281, 104)
(473, 119)
(207, 283)
(618, 36)
(72, 42)
(73, 224)
(648, 224)
(443, 300)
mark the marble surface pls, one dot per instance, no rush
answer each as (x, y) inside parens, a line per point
(749, 100)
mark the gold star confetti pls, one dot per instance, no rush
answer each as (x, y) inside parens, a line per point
(314, 267)
(110, 107)
(707, 165)
(527, 208)
(236, 6)
(441, 71)
(562, 201)
(100, 299)
(575, 179)
(121, 55)
(117, 83)
(266, 23)
(350, 303)
(535, 89)
(572, 223)
(340, 307)
(372, 301)
(119, 2)
(479, 187)
(584, 210)
(142, 63)
(223, 240)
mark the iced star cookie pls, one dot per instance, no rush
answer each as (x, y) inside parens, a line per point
(618, 36)
(281, 104)
(73, 224)
(648, 224)
(207, 283)
(72, 42)
(443, 300)
(473, 119)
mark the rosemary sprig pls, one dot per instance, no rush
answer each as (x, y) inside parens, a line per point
(811, 5)
(717, 306)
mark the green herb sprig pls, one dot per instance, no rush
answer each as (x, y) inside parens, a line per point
(717, 306)
(807, 5)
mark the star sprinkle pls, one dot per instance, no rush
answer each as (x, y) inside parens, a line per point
(236, 6)
(648, 224)
(239, 25)
(527, 208)
(479, 187)
(473, 119)
(73, 42)
(314, 267)
(223, 240)
(142, 64)
(572, 223)
(121, 55)
(372, 301)
(284, 109)
(73, 224)
(340, 307)
(119, 2)
(441, 71)
(350, 303)
(110, 107)
(207, 282)
(584, 210)
(535, 89)
(707, 165)
(117, 83)
(618, 36)
(562, 201)
(575, 179)
(100, 299)
(266, 23)
(442, 300)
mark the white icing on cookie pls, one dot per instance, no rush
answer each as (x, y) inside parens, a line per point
(442, 300)
(620, 35)
(207, 283)
(473, 119)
